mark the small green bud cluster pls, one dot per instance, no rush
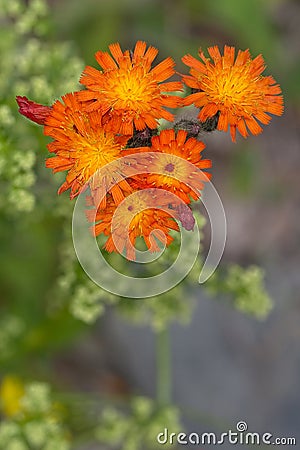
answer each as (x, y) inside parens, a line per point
(246, 289)
(139, 427)
(25, 56)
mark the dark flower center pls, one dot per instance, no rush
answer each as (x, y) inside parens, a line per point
(169, 167)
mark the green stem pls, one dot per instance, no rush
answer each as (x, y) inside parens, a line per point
(163, 367)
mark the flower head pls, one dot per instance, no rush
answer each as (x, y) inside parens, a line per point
(233, 87)
(175, 164)
(131, 92)
(82, 146)
(139, 215)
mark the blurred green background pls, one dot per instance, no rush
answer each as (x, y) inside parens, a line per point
(226, 366)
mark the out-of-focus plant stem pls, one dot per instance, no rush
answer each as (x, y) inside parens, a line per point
(163, 367)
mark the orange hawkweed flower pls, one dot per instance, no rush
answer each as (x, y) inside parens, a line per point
(82, 146)
(137, 216)
(176, 164)
(133, 94)
(233, 87)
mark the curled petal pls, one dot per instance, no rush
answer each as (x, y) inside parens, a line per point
(34, 111)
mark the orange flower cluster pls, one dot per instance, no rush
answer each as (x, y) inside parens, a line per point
(107, 138)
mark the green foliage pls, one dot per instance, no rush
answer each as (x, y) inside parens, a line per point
(138, 428)
(30, 59)
(29, 62)
(245, 288)
(37, 425)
